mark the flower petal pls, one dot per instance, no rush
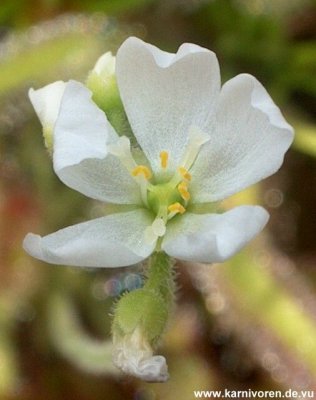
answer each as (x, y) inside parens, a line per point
(209, 238)
(165, 94)
(81, 159)
(134, 356)
(249, 138)
(116, 240)
(46, 102)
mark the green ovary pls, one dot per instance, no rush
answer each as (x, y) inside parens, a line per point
(161, 196)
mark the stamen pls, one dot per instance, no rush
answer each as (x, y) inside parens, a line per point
(142, 170)
(183, 190)
(164, 159)
(174, 209)
(184, 173)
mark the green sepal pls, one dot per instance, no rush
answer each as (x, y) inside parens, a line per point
(141, 308)
(147, 308)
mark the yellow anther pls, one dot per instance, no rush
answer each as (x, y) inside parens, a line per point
(142, 170)
(184, 173)
(176, 208)
(183, 190)
(164, 159)
(185, 195)
(183, 185)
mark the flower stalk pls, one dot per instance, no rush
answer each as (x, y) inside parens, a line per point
(161, 276)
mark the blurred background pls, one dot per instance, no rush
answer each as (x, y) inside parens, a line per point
(248, 323)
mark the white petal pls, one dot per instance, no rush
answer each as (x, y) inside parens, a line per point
(165, 94)
(209, 238)
(249, 138)
(116, 240)
(46, 102)
(134, 356)
(82, 130)
(81, 159)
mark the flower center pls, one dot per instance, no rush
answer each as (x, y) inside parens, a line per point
(168, 199)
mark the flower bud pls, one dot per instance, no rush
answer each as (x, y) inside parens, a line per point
(105, 66)
(102, 82)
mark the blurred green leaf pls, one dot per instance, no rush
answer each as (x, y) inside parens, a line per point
(8, 357)
(115, 6)
(260, 295)
(69, 337)
(305, 138)
(39, 61)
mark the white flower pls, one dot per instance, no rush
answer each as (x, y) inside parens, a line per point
(200, 143)
(134, 356)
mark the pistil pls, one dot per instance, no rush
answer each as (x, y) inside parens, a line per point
(195, 141)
